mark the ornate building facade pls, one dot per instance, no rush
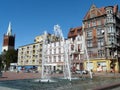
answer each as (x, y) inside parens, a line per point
(77, 48)
(102, 37)
(102, 31)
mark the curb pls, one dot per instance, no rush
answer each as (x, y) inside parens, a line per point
(106, 87)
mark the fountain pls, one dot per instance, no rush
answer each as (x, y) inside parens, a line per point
(66, 67)
(45, 74)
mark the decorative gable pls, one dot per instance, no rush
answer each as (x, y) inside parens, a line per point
(94, 12)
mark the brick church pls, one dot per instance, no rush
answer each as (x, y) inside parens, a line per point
(8, 39)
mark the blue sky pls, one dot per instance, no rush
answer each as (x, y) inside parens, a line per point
(30, 18)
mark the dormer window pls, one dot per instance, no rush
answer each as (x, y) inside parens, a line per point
(72, 32)
(109, 11)
(78, 31)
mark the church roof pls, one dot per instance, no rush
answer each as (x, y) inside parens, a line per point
(9, 31)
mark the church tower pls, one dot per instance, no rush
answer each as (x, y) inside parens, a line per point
(8, 39)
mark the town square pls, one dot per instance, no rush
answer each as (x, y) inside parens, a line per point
(44, 47)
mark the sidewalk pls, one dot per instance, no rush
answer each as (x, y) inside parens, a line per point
(107, 74)
(20, 75)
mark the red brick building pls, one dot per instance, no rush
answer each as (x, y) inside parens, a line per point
(102, 36)
(8, 40)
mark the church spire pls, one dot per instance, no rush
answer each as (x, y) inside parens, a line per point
(9, 31)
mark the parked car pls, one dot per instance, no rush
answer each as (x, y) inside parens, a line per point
(81, 72)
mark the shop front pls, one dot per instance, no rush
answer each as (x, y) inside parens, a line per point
(102, 65)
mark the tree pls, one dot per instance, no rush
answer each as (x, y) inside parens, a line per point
(8, 57)
(1, 64)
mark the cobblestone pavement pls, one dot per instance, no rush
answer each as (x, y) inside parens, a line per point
(20, 75)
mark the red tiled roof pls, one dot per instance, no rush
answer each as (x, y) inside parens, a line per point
(100, 11)
(74, 32)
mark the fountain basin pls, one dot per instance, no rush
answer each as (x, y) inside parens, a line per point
(44, 80)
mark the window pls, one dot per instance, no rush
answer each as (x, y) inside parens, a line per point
(90, 53)
(72, 32)
(33, 51)
(79, 38)
(59, 58)
(54, 44)
(79, 31)
(79, 47)
(33, 61)
(27, 52)
(93, 23)
(99, 31)
(89, 33)
(27, 47)
(109, 11)
(33, 46)
(54, 51)
(50, 59)
(88, 24)
(110, 29)
(59, 50)
(99, 22)
(110, 19)
(100, 42)
(89, 43)
(100, 53)
(54, 58)
(72, 47)
(111, 39)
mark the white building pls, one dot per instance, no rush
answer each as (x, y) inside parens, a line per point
(55, 53)
(31, 54)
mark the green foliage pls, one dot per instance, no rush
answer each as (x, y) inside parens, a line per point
(1, 64)
(8, 57)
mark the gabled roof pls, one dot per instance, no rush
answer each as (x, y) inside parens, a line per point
(95, 12)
